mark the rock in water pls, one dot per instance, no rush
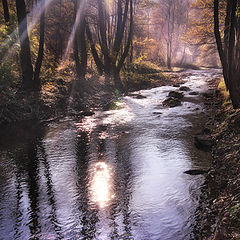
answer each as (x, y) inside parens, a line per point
(203, 142)
(171, 102)
(87, 113)
(140, 96)
(176, 94)
(196, 171)
(193, 93)
(184, 88)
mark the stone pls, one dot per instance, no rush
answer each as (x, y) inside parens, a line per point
(140, 96)
(203, 142)
(171, 102)
(184, 88)
(196, 171)
(175, 94)
(193, 93)
(87, 113)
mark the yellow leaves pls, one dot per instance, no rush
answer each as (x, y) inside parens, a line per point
(201, 28)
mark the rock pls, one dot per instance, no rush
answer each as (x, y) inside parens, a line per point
(184, 88)
(207, 130)
(175, 94)
(140, 96)
(135, 95)
(176, 85)
(157, 113)
(171, 102)
(196, 171)
(87, 113)
(203, 142)
(208, 94)
(193, 93)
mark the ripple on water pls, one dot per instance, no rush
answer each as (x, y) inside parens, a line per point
(114, 175)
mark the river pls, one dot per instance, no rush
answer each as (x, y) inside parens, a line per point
(118, 174)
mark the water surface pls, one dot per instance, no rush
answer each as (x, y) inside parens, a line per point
(115, 175)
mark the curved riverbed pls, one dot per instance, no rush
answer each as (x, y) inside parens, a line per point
(114, 175)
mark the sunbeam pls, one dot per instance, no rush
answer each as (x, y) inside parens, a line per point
(36, 13)
(78, 19)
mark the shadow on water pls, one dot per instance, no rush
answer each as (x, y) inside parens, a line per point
(30, 168)
(87, 216)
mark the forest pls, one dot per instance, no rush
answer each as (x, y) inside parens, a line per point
(119, 119)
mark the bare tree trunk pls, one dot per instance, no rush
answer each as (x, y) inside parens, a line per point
(6, 10)
(40, 50)
(25, 55)
(226, 41)
(118, 68)
(120, 27)
(168, 38)
(96, 58)
(80, 43)
(234, 89)
(127, 47)
(219, 41)
(103, 37)
(83, 47)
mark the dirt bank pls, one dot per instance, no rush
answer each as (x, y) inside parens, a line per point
(63, 96)
(218, 217)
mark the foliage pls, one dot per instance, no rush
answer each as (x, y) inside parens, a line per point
(143, 75)
(144, 67)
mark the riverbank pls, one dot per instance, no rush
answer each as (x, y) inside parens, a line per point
(218, 217)
(64, 96)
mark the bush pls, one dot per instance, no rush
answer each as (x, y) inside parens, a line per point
(144, 67)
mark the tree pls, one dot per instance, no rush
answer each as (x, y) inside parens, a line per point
(30, 79)
(170, 19)
(39, 60)
(230, 55)
(114, 36)
(25, 54)
(6, 10)
(80, 40)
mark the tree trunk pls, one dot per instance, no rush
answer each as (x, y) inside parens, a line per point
(103, 37)
(117, 70)
(83, 47)
(120, 27)
(96, 58)
(80, 43)
(39, 60)
(226, 41)
(219, 41)
(6, 10)
(25, 55)
(117, 80)
(233, 78)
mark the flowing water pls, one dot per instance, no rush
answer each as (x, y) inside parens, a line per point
(115, 175)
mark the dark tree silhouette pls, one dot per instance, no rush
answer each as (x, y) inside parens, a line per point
(25, 54)
(230, 56)
(6, 10)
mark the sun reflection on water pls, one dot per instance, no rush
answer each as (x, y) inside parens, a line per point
(101, 185)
